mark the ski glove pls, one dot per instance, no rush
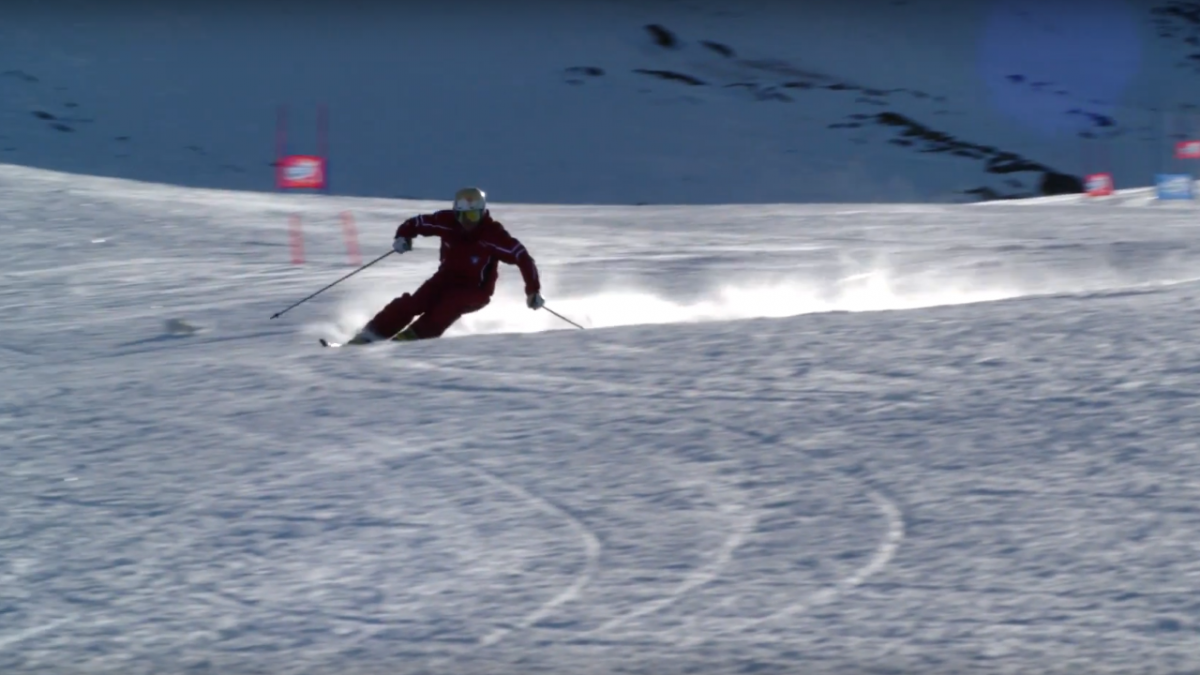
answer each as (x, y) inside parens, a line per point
(534, 301)
(401, 244)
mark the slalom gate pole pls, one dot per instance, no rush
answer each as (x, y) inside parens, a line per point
(562, 317)
(297, 304)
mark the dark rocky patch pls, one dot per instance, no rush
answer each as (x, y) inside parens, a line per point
(671, 75)
(761, 92)
(1009, 162)
(768, 79)
(1180, 20)
(1100, 120)
(772, 94)
(983, 193)
(781, 67)
(926, 140)
(723, 50)
(59, 126)
(1185, 12)
(662, 37)
(1055, 183)
(21, 75)
(43, 115)
(578, 74)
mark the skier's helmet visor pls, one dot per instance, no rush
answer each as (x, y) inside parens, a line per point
(469, 215)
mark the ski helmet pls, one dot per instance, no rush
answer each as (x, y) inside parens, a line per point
(469, 205)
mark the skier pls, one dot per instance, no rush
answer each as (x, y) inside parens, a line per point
(473, 245)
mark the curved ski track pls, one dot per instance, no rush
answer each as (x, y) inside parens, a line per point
(884, 551)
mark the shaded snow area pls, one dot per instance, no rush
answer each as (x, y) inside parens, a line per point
(792, 439)
(611, 101)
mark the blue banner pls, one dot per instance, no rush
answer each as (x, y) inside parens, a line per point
(1174, 186)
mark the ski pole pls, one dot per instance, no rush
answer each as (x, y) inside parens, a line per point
(562, 317)
(276, 314)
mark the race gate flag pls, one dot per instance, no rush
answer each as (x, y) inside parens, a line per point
(298, 172)
(1098, 184)
(1187, 150)
(1173, 186)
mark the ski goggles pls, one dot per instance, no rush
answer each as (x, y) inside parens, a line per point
(472, 215)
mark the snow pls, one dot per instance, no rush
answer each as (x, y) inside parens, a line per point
(819, 420)
(807, 438)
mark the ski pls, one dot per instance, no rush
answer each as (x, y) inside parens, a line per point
(330, 343)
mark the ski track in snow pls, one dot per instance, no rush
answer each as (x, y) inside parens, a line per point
(591, 543)
(591, 547)
(883, 554)
(691, 634)
(698, 577)
(7, 641)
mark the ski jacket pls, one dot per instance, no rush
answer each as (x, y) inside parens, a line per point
(472, 258)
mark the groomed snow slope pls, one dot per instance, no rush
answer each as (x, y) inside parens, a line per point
(839, 438)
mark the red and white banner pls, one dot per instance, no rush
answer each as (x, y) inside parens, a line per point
(1187, 150)
(298, 172)
(1098, 184)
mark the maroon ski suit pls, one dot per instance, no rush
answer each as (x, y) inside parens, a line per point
(464, 282)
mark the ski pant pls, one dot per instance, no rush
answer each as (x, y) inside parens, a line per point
(438, 303)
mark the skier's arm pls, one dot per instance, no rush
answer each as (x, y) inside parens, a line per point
(427, 225)
(529, 270)
(513, 252)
